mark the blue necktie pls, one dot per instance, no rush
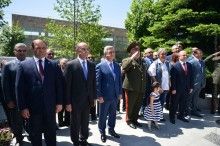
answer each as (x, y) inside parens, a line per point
(84, 69)
(112, 69)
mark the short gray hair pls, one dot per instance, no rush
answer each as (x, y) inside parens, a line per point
(20, 45)
(107, 48)
(161, 50)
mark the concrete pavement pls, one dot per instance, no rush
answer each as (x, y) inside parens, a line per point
(198, 132)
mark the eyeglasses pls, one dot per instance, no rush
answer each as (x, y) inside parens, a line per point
(50, 54)
(111, 52)
(85, 49)
(19, 51)
(90, 57)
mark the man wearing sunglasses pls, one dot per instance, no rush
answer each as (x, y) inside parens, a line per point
(8, 85)
(50, 54)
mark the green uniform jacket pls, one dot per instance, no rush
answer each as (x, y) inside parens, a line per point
(216, 73)
(135, 75)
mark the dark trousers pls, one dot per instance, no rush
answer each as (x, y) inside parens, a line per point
(178, 101)
(93, 112)
(17, 123)
(133, 105)
(64, 118)
(42, 123)
(108, 108)
(79, 122)
(215, 102)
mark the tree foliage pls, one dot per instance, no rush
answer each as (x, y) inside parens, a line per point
(3, 4)
(195, 23)
(9, 37)
(86, 27)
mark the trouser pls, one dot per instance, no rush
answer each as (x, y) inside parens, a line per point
(215, 102)
(191, 106)
(42, 123)
(17, 123)
(133, 105)
(108, 108)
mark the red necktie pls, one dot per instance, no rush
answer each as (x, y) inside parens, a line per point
(184, 68)
(41, 70)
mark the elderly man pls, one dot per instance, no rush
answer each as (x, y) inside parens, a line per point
(175, 49)
(109, 90)
(159, 71)
(134, 83)
(8, 86)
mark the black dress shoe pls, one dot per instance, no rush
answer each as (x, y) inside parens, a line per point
(197, 115)
(76, 143)
(212, 112)
(137, 124)
(103, 138)
(172, 121)
(113, 133)
(183, 119)
(132, 125)
(199, 110)
(84, 143)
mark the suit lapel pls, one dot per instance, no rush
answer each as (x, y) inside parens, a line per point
(81, 69)
(34, 67)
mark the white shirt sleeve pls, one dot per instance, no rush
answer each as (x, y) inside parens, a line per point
(152, 69)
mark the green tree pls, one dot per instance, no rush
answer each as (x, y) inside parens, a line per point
(3, 4)
(9, 37)
(195, 23)
(86, 28)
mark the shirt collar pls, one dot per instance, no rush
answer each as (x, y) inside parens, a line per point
(80, 60)
(108, 62)
(182, 62)
(37, 59)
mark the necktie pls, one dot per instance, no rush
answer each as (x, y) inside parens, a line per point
(84, 69)
(184, 68)
(41, 70)
(112, 69)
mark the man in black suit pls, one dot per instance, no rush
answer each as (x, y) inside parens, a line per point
(80, 80)
(39, 93)
(8, 86)
(181, 86)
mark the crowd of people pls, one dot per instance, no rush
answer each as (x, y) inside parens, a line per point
(37, 88)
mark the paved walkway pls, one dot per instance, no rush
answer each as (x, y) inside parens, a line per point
(198, 132)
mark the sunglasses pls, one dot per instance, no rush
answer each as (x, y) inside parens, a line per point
(19, 51)
(50, 54)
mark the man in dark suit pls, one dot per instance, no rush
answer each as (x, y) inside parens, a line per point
(181, 87)
(134, 83)
(109, 90)
(8, 87)
(80, 81)
(199, 82)
(39, 93)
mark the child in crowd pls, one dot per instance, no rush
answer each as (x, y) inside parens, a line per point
(153, 111)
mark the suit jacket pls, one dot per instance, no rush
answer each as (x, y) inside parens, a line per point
(135, 75)
(78, 89)
(169, 58)
(108, 87)
(181, 82)
(34, 94)
(199, 76)
(8, 80)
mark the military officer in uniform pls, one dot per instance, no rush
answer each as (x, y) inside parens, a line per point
(134, 83)
(216, 82)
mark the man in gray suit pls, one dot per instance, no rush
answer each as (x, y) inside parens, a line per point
(80, 79)
(8, 85)
(198, 67)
